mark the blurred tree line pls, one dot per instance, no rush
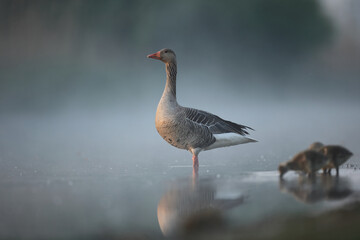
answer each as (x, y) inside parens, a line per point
(46, 39)
(284, 26)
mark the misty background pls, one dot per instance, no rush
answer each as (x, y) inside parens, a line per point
(75, 80)
(78, 95)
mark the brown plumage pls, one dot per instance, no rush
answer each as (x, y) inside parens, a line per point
(337, 155)
(316, 146)
(308, 161)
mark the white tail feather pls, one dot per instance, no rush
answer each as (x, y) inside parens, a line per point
(229, 139)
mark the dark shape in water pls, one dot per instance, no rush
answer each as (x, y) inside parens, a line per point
(191, 206)
(309, 190)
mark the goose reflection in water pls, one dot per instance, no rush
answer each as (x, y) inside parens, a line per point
(195, 204)
(311, 190)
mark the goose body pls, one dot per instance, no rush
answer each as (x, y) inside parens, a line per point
(308, 161)
(337, 156)
(188, 128)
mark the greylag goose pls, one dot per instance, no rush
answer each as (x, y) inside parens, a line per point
(337, 156)
(308, 161)
(191, 129)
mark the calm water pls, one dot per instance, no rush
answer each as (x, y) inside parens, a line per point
(74, 174)
(158, 203)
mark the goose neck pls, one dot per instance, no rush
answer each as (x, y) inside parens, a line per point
(171, 71)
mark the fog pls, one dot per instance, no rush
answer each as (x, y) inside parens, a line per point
(78, 95)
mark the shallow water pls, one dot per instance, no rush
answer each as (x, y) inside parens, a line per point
(160, 202)
(78, 175)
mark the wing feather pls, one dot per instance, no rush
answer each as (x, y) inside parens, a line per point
(215, 124)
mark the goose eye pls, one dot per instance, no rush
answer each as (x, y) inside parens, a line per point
(166, 51)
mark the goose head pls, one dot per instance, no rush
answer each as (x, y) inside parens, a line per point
(337, 153)
(165, 55)
(316, 146)
(282, 169)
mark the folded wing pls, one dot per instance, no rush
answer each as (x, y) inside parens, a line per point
(215, 124)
